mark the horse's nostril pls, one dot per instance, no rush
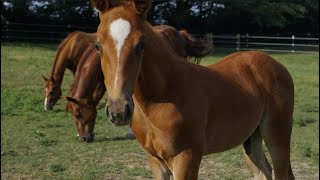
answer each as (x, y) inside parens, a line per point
(112, 117)
(90, 138)
(84, 139)
(107, 111)
(127, 112)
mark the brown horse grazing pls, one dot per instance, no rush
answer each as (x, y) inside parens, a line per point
(67, 57)
(183, 111)
(87, 90)
(88, 86)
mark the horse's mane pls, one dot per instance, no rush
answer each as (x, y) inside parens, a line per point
(184, 44)
(196, 48)
(61, 46)
(84, 57)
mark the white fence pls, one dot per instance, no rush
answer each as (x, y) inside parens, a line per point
(277, 43)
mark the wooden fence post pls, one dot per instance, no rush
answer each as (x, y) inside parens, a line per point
(69, 28)
(238, 42)
(7, 29)
(247, 40)
(293, 43)
(209, 37)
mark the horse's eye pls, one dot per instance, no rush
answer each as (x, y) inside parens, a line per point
(78, 114)
(97, 46)
(51, 93)
(140, 47)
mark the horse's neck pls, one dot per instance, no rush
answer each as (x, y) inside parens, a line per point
(59, 65)
(155, 75)
(85, 87)
(91, 84)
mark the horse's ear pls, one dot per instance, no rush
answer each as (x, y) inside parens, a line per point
(70, 99)
(101, 5)
(143, 6)
(86, 101)
(46, 79)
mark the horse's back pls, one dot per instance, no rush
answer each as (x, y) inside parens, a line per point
(73, 46)
(262, 68)
(247, 86)
(258, 73)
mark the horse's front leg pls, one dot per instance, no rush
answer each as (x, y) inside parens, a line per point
(186, 165)
(159, 169)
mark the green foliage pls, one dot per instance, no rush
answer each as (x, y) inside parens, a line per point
(200, 16)
(36, 144)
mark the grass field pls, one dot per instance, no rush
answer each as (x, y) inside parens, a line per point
(43, 145)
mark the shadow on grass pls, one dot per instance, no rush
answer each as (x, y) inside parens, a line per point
(59, 111)
(118, 138)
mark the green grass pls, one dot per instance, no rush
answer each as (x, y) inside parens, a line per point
(43, 145)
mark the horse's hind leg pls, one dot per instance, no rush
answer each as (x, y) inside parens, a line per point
(255, 157)
(276, 132)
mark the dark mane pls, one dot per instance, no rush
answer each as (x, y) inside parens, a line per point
(196, 48)
(85, 56)
(184, 44)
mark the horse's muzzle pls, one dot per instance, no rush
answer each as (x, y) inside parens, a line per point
(87, 139)
(119, 112)
(47, 105)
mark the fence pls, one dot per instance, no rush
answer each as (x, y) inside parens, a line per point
(39, 32)
(278, 43)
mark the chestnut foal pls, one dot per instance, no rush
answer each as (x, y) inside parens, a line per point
(183, 111)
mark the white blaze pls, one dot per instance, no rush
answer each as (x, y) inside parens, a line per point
(46, 100)
(119, 31)
(45, 103)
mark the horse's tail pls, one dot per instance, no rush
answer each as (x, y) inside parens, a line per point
(196, 48)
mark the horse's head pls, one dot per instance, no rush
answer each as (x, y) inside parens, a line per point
(84, 113)
(121, 43)
(52, 93)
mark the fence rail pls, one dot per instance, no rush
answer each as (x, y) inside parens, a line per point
(302, 44)
(279, 43)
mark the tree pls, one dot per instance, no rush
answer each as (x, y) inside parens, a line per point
(196, 16)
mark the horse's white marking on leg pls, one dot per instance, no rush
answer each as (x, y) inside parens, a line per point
(119, 31)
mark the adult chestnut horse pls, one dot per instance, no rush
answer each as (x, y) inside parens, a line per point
(183, 111)
(67, 57)
(88, 85)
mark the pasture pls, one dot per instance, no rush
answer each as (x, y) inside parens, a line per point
(43, 145)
